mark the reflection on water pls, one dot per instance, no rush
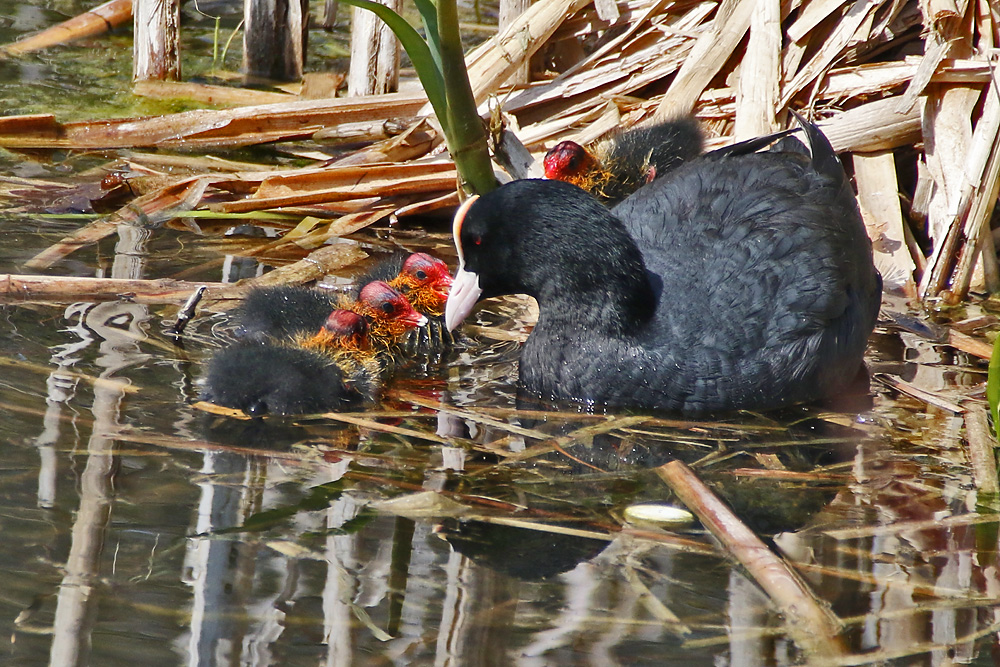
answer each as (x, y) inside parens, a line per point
(137, 526)
(443, 526)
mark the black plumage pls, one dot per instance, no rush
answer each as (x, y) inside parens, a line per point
(743, 280)
(280, 313)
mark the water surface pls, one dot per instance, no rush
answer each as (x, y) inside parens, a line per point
(137, 528)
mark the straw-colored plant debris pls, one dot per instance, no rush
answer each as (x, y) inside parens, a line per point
(907, 89)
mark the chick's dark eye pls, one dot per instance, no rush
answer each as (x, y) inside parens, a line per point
(421, 275)
(388, 308)
(573, 161)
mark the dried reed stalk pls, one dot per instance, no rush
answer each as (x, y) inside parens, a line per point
(94, 22)
(497, 60)
(810, 624)
(374, 63)
(59, 289)
(204, 129)
(759, 73)
(981, 449)
(875, 174)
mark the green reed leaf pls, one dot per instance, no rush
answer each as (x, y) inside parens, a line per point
(423, 59)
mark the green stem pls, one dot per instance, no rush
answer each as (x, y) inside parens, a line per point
(428, 13)
(993, 386)
(464, 129)
(440, 64)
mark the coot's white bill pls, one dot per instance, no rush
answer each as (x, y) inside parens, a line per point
(464, 295)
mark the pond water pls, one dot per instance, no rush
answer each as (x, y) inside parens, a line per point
(137, 528)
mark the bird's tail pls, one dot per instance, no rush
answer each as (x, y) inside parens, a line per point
(824, 158)
(750, 145)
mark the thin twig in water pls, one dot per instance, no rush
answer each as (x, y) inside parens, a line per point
(187, 311)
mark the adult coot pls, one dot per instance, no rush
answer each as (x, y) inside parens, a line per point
(742, 280)
(615, 167)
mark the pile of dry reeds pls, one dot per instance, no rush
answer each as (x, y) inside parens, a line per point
(905, 88)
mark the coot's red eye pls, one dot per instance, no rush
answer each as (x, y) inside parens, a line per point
(477, 240)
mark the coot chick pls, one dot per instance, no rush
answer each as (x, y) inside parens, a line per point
(742, 281)
(342, 365)
(270, 314)
(348, 337)
(263, 378)
(282, 312)
(613, 168)
(425, 281)
(342, 330)
(388, 312)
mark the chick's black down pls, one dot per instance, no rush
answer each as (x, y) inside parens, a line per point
(262, 379)
(281, 312)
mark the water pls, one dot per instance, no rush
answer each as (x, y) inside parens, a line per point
(137, 528)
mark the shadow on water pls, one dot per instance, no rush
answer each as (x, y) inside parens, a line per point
(445, 524)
